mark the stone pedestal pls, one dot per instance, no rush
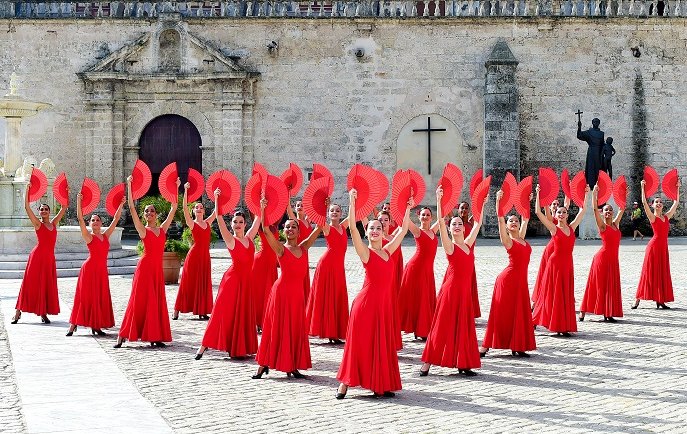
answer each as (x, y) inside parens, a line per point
(17, 243)
(12, 193)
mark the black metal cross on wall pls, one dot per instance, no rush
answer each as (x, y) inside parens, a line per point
(429, 131)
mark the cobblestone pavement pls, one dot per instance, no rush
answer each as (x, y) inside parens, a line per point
(630, 376)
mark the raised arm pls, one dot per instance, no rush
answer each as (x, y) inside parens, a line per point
(289, 211)
(87, 237)
(414, 229)
(35, 221)
(173, 210)
(308, 242)
(401, 231)
(472, 237)
(226, 234)
(184, 203)
(115, 219)
(360, 248)
(274, 243)
(676, 202)
(503, 232)
(253, 231)
(595, 206)
(548, 224)
(58, 217)
(443, 232)
(566, 202)
(647, 209)
(580, 214)
(140, 228)
(523, 227)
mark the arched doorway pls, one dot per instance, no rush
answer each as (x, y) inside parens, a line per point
(167, 139)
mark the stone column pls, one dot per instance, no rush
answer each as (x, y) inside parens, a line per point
(13, 153)
(501, 148)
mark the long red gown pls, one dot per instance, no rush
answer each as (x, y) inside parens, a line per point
(38, 292)
(417, 297)
(452, 340)
(304, 231)
(396, 276)
(510, 317)
(232, 324)
(548, 251)
(369, 357)
(467, 228)
(602, 295)
(655, 282)
(195, 289)
(556, 309)
(92, 300)
(327, 310)
(263, 276)
(284, 345)
(146, 317)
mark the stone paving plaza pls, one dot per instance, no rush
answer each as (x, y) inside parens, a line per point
(624, 377)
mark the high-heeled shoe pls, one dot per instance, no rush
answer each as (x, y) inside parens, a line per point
(662, 306)
(71, 331)
(118, 344)
(424, 373)
(98, 332)
(297, 375)
(580, 318)
(158, 344)
(635, 306)
(199, 355)
(483, 354)
(388, 394)
(45, 319)
(15, 318)
(341, 395)
(262, 370)
(175, 316)
(467, 372)
(204, 317)
(520, 354)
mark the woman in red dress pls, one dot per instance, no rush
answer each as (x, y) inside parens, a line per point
(146, 317)
(510, 317)
(327, 310)
(304, 231)
(602, 295)
(264, 274)
(396, 258)
(417, 296)
(38, 292)
(556, 307)
(550, 211)
(452, 340)
(655, 282)
(369, 357)
(92, 300)
(195, 289)
(232, 324)
(284, 345)
(464, 214)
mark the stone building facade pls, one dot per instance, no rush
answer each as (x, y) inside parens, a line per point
(339, 90)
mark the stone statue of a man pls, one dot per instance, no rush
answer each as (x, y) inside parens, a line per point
(595, 139)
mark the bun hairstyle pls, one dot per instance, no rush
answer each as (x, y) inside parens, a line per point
(44, 205)
(239, 213)
(426, 208)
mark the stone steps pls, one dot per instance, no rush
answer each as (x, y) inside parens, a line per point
(120, 262)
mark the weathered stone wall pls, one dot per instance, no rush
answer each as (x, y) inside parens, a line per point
(316, 101)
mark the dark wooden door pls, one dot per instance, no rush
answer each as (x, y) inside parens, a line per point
(170, 138)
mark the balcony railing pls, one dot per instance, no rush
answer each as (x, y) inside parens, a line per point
(340, 9)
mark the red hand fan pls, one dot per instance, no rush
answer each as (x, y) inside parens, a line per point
(451, 182)
(605, 187)
(253, 193)
(260, 170)
(548, 186)
(230, 190)
(417, 183)
(320, 171)
(195, 190)
(60, 189)
(39, 185)
(479, 197)
(371, 185)
(141, 179)
(509, 188)
(522, 201)
(167, 183)
(90, 193)
(565, 182)
(651, 178)
(114, 198)
(401, 187)
(620, 192)
(277, 199)
(670, 184)
(477, 177)
(577, 188)
(293, 179)
(314, 199)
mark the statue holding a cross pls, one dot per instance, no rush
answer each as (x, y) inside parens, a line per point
(595, 139)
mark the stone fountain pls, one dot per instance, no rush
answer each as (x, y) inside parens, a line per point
(17, 236)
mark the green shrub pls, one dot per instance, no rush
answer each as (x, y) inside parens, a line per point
(179, 247)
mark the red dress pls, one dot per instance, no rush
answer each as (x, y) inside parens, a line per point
(602, 295)
(452, 340)
(304, 231)
(195, 289)
(369, 357)
(38, 292)
(284, 345)
(146, 317)
(556, 307)
(263, 276)
(510, 317)
(417, 297)
(536, 291)
(655, 282)
(467, 228)
(396, 276)
(92, 300)
(232, 324)
(327, 310)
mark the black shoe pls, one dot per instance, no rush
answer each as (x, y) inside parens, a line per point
(262, 370)
(635, 306)
(71, 332)
(424, 373)
(566, 335)
(118, 344)
(610, 319)
(199, 355)
(467, 372)
(175, 317)
(520, 354)
(482, 354)
(15, 318)
(340, 395)
(204, 317)
(388, 394)
(580, 318)
(297, 375)
(44, 319)
(158, 344)
(98, 332)
(662, 306)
